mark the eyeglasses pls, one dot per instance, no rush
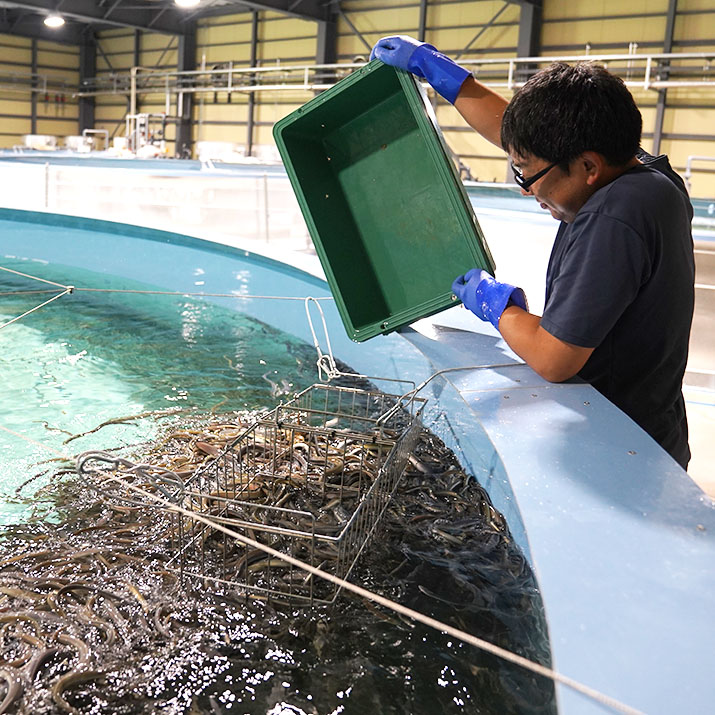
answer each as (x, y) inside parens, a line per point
(525, 184)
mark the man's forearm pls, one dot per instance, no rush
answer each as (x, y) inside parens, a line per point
(482, 109)
(553, 359)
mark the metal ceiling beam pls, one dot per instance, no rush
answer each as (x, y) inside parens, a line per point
(171, 22)
(530, 24)
(33, 98)
(326, 52)
(250, 123)
(186, 61)
(663, 93)
(422, 22)
(87, 70)
(317, 10)
(33, 26)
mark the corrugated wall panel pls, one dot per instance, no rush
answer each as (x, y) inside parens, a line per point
(15, 51)
(160, 59)
(52, 59)
(116, 54)
(280, 41)
(609, 26)
(224, 39)
(220, 42)
(15, 127)
(287, 52)
(452, 25)
(117, 42)
(56, 110)
(392, 18)
(58, 126)
(13, 104)
(614, 35)
(116, 51)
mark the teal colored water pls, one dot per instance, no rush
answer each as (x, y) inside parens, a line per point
(88, 358)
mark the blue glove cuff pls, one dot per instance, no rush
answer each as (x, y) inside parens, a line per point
(445, 75)
(486, 297)
(493, 298)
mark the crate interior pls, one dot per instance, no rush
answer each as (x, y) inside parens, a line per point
(384, 211)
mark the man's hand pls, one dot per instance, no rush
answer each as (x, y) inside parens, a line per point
(485, 296)
(424, 61)
(397, 51)
(504, 306)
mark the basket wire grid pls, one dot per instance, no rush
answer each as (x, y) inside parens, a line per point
(311, 480)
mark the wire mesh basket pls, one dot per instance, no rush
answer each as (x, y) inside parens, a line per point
(311, 480)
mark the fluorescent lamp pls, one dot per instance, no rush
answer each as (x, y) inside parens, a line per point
(54, 20)
(186, 3)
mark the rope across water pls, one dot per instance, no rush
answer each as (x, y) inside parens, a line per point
(467, 638)
(327, 368)
(67, 290)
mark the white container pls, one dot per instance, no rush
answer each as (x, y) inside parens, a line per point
(40, 142)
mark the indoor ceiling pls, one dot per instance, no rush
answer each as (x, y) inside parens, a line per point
(26, 17)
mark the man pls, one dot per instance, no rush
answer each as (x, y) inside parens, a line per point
(619, 286)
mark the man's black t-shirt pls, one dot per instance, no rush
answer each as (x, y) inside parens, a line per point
(620, 280)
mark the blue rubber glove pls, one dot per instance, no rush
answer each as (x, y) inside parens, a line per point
(423, 60)
(485, 296)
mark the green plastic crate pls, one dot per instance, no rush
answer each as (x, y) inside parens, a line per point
(387, 212)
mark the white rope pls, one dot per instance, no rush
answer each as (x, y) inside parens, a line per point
(392, 605)
(468, 638)
(200, 295)
(68, 290)
(34, 278)
(327, 369)
(327, 366)
(26, 292)
(154, 292)
(72, 289)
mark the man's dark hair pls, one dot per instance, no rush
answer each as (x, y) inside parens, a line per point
(565, 110)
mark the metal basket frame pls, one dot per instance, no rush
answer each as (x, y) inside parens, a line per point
(325, 452)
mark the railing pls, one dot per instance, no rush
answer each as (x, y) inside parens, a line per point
(689, 167)
(91, 133)
(37, 83)
(254, 205)
(645, 71)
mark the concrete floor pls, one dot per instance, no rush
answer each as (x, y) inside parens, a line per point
(699, 388)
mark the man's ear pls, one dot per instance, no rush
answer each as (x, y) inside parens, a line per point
(593, 165)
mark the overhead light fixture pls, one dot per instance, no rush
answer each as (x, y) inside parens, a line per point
(187, 3)
(54, 20)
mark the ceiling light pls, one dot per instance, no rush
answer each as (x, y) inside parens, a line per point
(54, 20)
(187, 3)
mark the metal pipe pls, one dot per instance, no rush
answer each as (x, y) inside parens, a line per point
(688, 167)
(90, 132)
(648, 67)
(422, 31)
(251, 97)
(294, 76)
(33, 96)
